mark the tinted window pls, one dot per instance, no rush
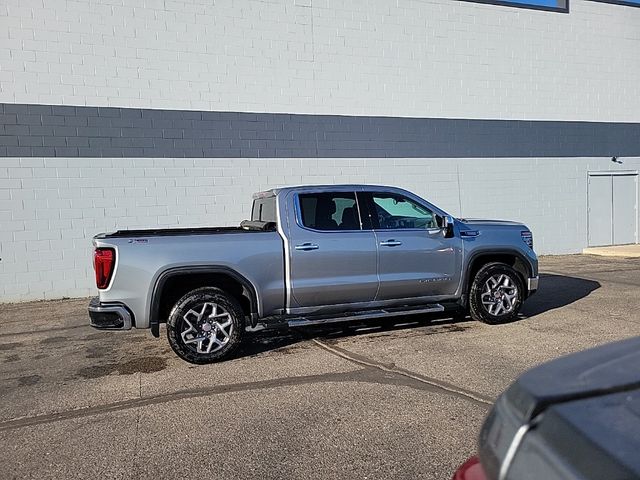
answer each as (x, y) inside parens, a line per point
(264, 210)
(397, 211)
(630, 3)
(552, 5)
(329, 211)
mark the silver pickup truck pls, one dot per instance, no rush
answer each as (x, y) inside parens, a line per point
(309, 255)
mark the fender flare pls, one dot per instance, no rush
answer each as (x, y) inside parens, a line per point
(156, 295)
(492, 251)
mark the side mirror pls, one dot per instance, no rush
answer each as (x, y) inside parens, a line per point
(447, 226)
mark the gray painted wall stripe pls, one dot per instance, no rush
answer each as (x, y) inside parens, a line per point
(70, 131)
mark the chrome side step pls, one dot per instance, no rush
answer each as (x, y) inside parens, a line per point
(346, 317)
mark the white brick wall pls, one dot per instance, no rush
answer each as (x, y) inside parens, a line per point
(50, 208)
(427, 58)
(431, 58)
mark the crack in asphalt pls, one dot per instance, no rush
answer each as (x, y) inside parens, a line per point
(364, 375)
(436, 384)
(170, 397)
(46, 330)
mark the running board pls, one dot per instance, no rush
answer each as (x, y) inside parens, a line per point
(304, 321)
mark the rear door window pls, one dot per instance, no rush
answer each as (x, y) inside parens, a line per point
(329, 211)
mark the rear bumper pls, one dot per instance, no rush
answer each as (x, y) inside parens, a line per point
(532, 284)
(109, 316)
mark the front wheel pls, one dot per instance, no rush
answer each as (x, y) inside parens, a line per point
(496, 294)
(205, 326)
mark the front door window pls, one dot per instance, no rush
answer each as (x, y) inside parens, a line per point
(398, 212)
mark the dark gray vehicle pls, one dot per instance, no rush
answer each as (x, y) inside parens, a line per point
(313, 254)
(574, 418)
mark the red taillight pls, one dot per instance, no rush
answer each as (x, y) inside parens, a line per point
(470, 470)
(103, 261)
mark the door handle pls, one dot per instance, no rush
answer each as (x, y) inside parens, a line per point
(390, 243)
(307, 246)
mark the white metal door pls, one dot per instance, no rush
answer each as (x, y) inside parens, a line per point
(625, 216)
(600, 202)
(612, 199)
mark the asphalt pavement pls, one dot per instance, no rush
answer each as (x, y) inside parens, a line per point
(398, 398)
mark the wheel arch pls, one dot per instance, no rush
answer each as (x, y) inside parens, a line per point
(174, 282)
(513, 258)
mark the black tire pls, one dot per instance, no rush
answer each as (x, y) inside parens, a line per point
(200, 302)
(481, 312)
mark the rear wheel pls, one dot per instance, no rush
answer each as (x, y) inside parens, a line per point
(496, 294)
(205, 326)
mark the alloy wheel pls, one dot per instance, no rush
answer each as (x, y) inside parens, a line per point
(206, 328)
(499, 294)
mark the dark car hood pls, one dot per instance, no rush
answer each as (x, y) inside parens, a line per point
(581, 414)
(602, 370)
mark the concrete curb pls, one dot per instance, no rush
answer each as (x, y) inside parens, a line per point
(628, 251)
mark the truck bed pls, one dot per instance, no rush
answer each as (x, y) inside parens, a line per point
(245, 227)
(168, 232)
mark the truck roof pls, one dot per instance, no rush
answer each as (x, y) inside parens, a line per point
(339, 187)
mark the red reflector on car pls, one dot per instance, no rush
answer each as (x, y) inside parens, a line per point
(103, 261)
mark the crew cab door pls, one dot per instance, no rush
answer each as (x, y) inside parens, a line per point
(332, 260)
(414, 257)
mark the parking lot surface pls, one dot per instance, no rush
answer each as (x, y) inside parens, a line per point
(399, 398)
